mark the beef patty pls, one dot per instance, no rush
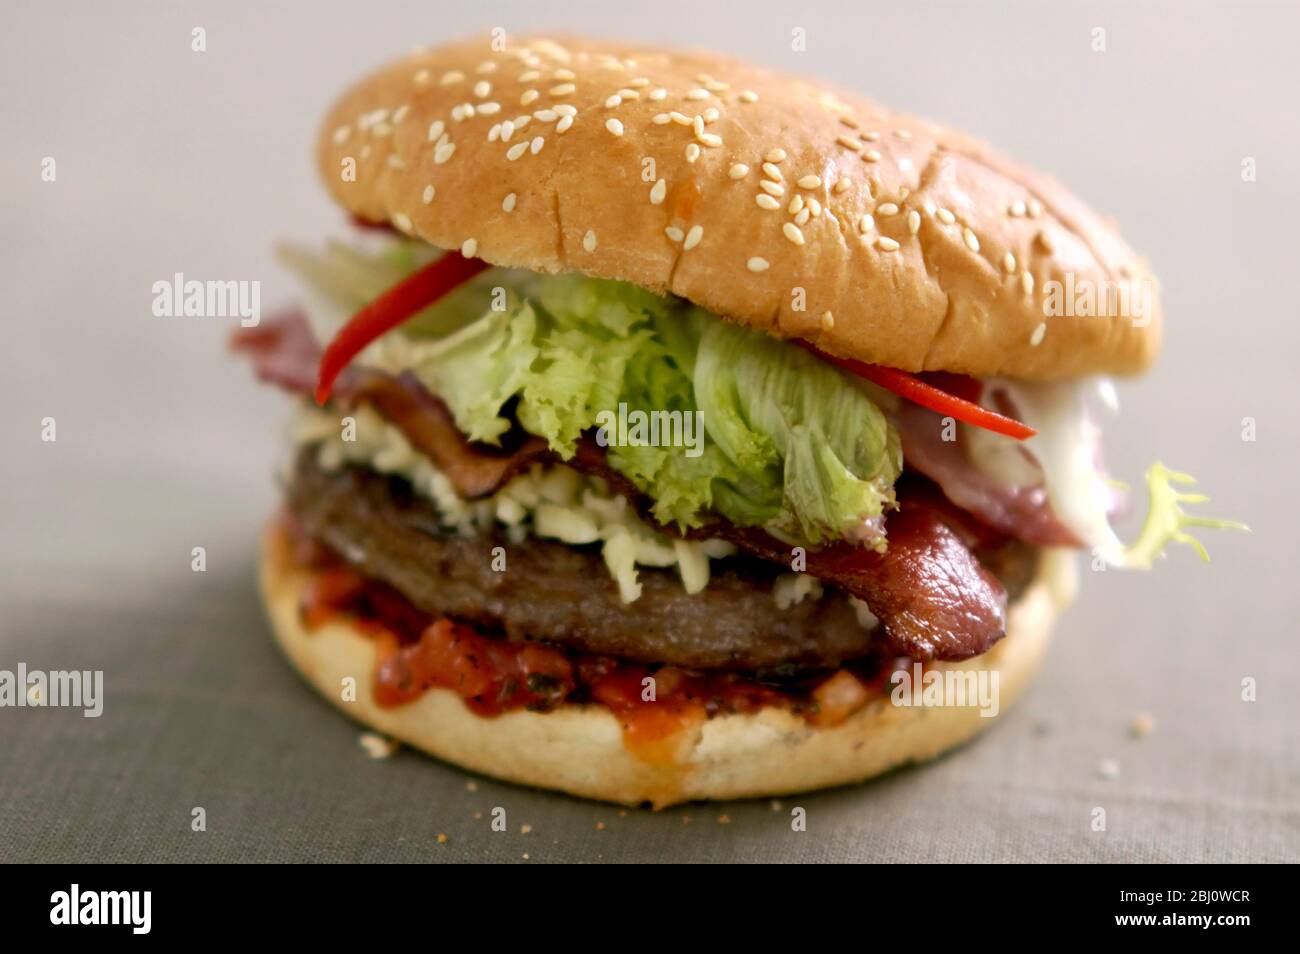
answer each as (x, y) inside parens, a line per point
(563, 594)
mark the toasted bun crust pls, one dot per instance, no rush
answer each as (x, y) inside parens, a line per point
(579, 749)
(925, 250)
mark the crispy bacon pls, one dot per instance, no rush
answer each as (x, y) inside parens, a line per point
(285, 353)
(933, 598)
(1020, 512)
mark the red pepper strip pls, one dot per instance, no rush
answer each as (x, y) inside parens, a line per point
(912, 388)
(412, 294)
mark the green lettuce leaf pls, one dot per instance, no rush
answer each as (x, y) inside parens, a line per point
(789, 442)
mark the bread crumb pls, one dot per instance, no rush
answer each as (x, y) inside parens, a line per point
(442, 839)
(525, 829)
(1143, 724)
(1108, 769)
(471, 786)
(376, 746)
(600, 826)
(724, 819)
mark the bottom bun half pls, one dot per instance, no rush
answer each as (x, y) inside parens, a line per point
(579, 748)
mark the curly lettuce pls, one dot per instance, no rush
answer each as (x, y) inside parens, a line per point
(790, 443)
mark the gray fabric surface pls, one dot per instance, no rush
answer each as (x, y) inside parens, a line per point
(174, 161)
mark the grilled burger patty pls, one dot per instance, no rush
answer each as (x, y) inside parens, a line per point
(564, 595)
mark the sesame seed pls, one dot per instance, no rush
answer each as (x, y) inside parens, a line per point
(711, 115)
(1044, 242)
(612, 101)
(711, 140)
(772, 188)
(848, 143)
(793, 233)
(738, 171)
(757, 264)
(508, 203)
(775, 155)
(765, 201)
(748, 96)
(453, 76)
(903, 134)
(657, 94)
(802, 217)
(946, 217)
(469, 247)
(421, 78)
(681, 119)
(517, 150)
(1035, 208)
(674, 233)
(628, 94)
(487, 66)
(886, 244)
(381, 129)
(589, 241)
(614, 126)
(443, 153)
(871, 156)
(563, 74)
(529, 75)
(698, 125)
(827, 321)
(866, 224)
(795, 205)
(402, 221)
(814, 207)
(1016, 209)
(400, 113)
(365, 151)
(507, 130)
(662, 119)
(772, 172)
(639, 82)
(528, 96)
(565, 109)
(1039, 333)
(887, 208)
(692, 151)
(1027, 282)
(436, 129)
(971, 241)
(842, 185)
(341, 134)
(563, 125)
(546, 115)
(429, 193)
(1009, 263)
(697, 94)
(564, 89)
(536, 145)
(658, 191)
(482, 88)
(810, 182)
(849, 121)
(489, 109)
(693, 237)
(869, 135)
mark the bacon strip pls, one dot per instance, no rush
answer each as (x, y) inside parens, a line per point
(1020, 512)
(285, 353)
(933, 598)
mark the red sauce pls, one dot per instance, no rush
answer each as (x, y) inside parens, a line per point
(654, 705)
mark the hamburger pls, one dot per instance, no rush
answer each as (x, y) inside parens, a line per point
(670, 428)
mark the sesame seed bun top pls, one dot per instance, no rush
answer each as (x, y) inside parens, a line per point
(768, 199)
